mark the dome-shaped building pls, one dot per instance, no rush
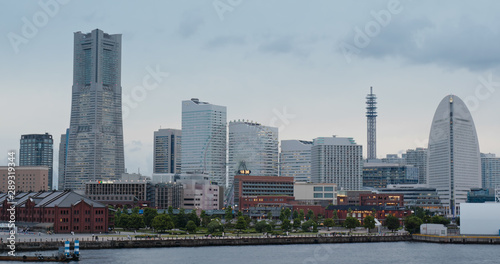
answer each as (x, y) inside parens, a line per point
(454, 164)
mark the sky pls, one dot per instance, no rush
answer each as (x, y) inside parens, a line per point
(302, 66)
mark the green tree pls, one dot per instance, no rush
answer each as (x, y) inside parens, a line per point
(301, 214)
(123, 221)
(329, 223)
(269, 215)
(369, 222)
(351, 222)
(135, 210)
(392, 222)
(170, 211)
(241, 223)
(285, 225)
(310, 215)
(191, 226)
(412, 224)
(215, 226)
(295, 214)
(307, 224)
(288, 213)
(205, 219)
(149, 215)
(194, 217)
(437, 219)
(262, 226)
(162, 222)
(136, 222)
(181, 219)
(296, 223)
(335, 217)
(229, 214)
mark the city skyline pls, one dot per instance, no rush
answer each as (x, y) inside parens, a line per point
(295, 78)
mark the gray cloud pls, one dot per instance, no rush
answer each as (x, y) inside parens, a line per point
(190, 23)
(457, 44)
(224, 41)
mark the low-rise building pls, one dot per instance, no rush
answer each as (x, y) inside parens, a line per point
(27, 178)
(120, 192)
(315, 193)
(251, 186)
(380, 174)
(417, 195)
(59, 211)
(433, 229)
(362, 211)
(381, 199)
(199, 192)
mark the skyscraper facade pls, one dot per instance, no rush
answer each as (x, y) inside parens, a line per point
(256, 145)
(38, 150)
(418, 158)
(95, 140)
(337, 160)
(204, 135)
(454, 165)
(295, 159)
(167, 151)
(371, 125)
(63, 153)
(490, 170)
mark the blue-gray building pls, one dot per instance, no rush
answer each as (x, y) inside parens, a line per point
(37, 150)
(95, 139)
(380, 174)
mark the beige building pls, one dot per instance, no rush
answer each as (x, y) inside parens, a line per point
(325, 192)
(27, 178)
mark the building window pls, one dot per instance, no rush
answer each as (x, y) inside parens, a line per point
(328, 195)
(328, 189)
(318, 195)
(318, 188)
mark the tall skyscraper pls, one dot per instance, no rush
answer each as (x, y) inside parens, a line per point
(371, 124)
(256, 145)
(454, 165)
(63, 153)
(38, 150)
(167, 151)
(337, 160)
(490, 170)
(204, 134)
(418, 158)
(95, 143)
(295, 159)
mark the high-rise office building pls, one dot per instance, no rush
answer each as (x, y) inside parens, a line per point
(454, 165)
(490, 170)
(63, 153)
(295, 159)
(38, 150)
(167, 151)
(204, 134)
(418, 158)
(254, 144)
(337, 160)
(371, 125)
(95, 140)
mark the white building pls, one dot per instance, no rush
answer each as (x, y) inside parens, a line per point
(204, 129)
(256, 145)
(295, 159)
(199, 192)
(337, 160)
(433, 229)
(167, 151)
(490, 170)
(480, 219)
(454, 164)
(303, 191)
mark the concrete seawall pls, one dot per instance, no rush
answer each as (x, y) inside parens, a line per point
(458, 239)
(203, 242)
